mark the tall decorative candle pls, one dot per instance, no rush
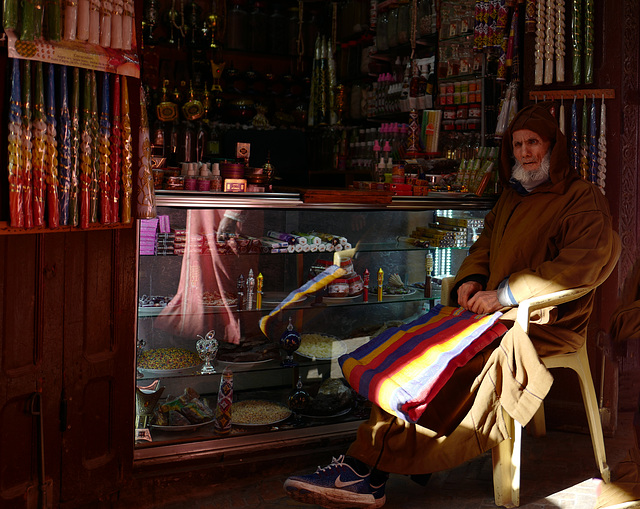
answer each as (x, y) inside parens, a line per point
(105, 23)
(95, 149)
(64, 133)
(26, 145)
(560, 42)
(146, 202)
(116, 152)
(127, 154)
(39, 146)
(589, 37)
(86, 165)
(71, 20)
(74, 191)
(602, 147)
(15, 152)
(94, 21)
(104, 152)
(116, 24)
(576, 41)
(51, 160)
(127, 24)
(83, 20)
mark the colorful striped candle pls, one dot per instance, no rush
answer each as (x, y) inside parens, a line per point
(127, 154)
(584, 142)
(53, 205)
(575, 145)
(74, 191)
(15, 152)
(94, 190)
(602, 147)
(116, 152)
(27, 146)
(39, 147)
(589, 37)
(86, 144)
(104, 152)
(64, 174)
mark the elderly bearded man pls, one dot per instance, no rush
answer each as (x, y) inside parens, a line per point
(548, 231)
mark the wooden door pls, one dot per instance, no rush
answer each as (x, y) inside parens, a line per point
(67, 304)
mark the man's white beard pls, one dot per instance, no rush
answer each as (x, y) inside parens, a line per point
(532, 179)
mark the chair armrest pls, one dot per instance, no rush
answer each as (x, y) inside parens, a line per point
(528, 306)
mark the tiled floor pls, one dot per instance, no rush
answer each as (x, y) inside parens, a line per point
(558, 471)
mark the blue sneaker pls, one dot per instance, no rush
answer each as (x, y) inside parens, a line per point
(336, 486)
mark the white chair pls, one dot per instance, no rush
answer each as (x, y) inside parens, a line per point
(506, 455)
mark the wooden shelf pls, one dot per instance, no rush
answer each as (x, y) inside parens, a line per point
(553, 95)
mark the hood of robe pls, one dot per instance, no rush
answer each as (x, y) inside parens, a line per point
(539, 119)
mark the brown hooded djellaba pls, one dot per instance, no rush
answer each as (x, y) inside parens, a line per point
(558, 236)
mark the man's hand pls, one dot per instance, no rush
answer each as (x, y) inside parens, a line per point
(472, 298)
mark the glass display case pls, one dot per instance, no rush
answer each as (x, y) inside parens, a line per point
(226, 348)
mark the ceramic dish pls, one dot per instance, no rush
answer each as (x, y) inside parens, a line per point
(321, 347)
(255, 412)
(186, 427)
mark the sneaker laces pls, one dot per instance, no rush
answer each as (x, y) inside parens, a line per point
(334, 463)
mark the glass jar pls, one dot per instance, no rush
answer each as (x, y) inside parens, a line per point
(237, 26)
(257, 23)
(404, 23)
(294, 30)
(382, 39)
(278, 31)
(392, 28)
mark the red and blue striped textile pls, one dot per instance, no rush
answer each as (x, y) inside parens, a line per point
(402, 369)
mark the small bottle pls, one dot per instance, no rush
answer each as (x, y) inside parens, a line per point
(251, 284)
(216, 178)
(240, 287)
(190, 181)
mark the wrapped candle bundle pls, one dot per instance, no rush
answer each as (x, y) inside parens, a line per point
(127, 24)
(127, 154)
(26, 146)
(116, 152)
(71, 20)
(83, 20)
(86, 165)
(602, 148)
(31, 20)
(104, 152)
(146, 203)
(53, 19)
(549, 44)
(576, 41)
(94, 21)
(116, 24)
(64, 175)
(589, 36)
(560, 44)
(15, 152)
(540, 43)
(94, 190)
(593, 144)
(105, 23)
(51, 159)
(39, 146)
(10, 15)
(74, 169)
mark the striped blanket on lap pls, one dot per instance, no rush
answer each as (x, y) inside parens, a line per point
(402, 369)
